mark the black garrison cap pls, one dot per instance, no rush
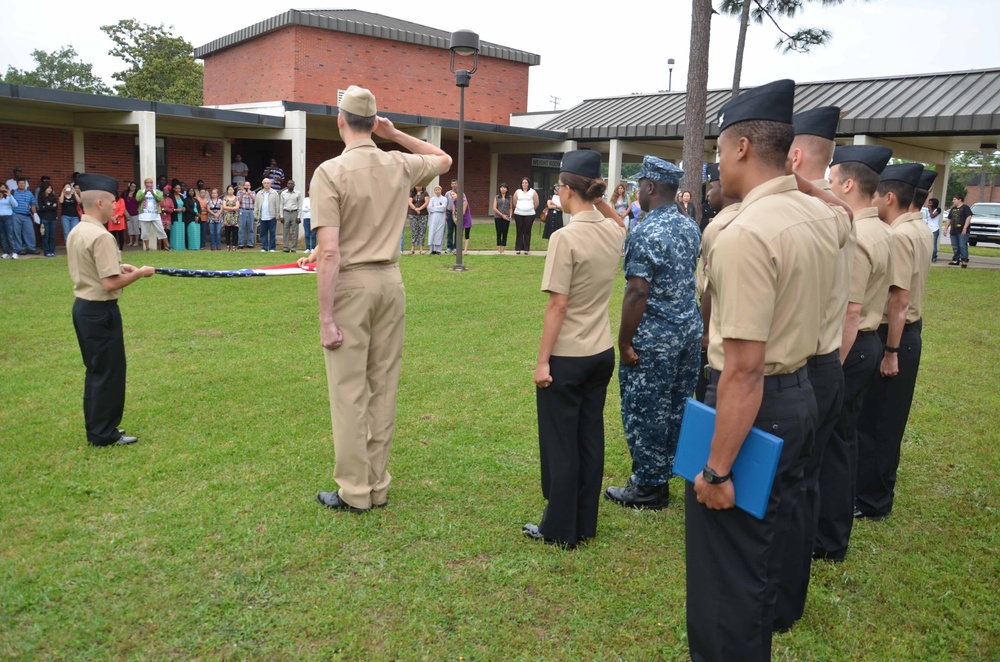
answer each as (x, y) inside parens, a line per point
(713, 172)
(908, 173)
(583, 162)
(94, 182)
(820, 122)
(873, 156)
(927, 178)
(771, 102)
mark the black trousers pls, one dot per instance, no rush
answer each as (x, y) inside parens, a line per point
(733, 558)
(571, 444)
(827, 379)
(98, 327)
(502, 227)
(882, 424)
(702, 387)
(522, 225)
(840, 459)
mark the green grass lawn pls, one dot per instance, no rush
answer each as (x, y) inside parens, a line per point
(204, 540)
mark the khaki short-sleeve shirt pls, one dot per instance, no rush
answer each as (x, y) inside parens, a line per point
(582, 262)
(708, 237)
(912, 246)
(832, 326)
(92, 254)
(364, 192)
(870, 273)
(769, 275)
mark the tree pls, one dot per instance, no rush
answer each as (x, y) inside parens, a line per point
(977, 167)
(801, 41)
(161, 67)
(697, 95)
(59, 70)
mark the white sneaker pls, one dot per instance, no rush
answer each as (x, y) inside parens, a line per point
(263, 251)
(13, 255)
(5, 256)
(270, 251)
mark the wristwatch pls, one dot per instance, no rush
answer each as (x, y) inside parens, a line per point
(712, 478)
(891, 350)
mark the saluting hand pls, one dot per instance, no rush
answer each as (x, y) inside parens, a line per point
(715, 497)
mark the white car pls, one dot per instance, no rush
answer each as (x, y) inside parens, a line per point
(985, 223)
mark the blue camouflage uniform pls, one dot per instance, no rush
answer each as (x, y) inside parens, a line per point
(663, 250)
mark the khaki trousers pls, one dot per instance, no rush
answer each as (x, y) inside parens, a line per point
(362, 377)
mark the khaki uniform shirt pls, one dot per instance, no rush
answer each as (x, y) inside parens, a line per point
(912, 246)
(712, 230)
(364, 192)
(582, 262)
(770, 274)
(93, 254)
(831, 332)
(870, 273)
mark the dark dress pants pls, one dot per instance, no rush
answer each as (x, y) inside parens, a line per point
(98, 327)
(882, 424)
(571, 444)
(840, 459)
(733, 558)
(522, 240)
(702, 386)
(827, 379)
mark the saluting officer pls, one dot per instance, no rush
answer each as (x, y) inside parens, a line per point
(659, 339)
(724, 211)
(811, 153)
(98, 278)
(357, 201)
(887, 404)
(769, 274)
(854, 177)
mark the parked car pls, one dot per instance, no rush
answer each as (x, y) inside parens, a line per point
(985, 223)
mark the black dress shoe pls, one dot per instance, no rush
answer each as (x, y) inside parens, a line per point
(531, 530)
(871, 518)
(333, 500)
(639, 496)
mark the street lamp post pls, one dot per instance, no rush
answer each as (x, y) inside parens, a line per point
(463, 44)
(670, 75)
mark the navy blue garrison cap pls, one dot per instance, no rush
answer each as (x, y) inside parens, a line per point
(583, 162)
(927, 178)
(820, 122)
(95, 182)
(908, 173)
(771, 102)
(873, 156)
(713, 172)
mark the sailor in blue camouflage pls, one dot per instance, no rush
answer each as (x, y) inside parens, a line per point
(660, 357)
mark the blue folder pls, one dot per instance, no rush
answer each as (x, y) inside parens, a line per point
(755, 465)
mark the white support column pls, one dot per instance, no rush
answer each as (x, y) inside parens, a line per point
(227, 165)
(494, 168)
(941, 185)
(79, 154)
(146, 122)
(432, 135)
(295, 127)
(614, 164)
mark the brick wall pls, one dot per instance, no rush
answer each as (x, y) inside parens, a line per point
(187, 162)
(37, 151)
(313, 64)
(258, 70)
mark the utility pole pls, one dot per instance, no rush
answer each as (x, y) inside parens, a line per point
(555, 101)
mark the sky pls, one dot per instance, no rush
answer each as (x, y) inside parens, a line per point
(587, 50)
